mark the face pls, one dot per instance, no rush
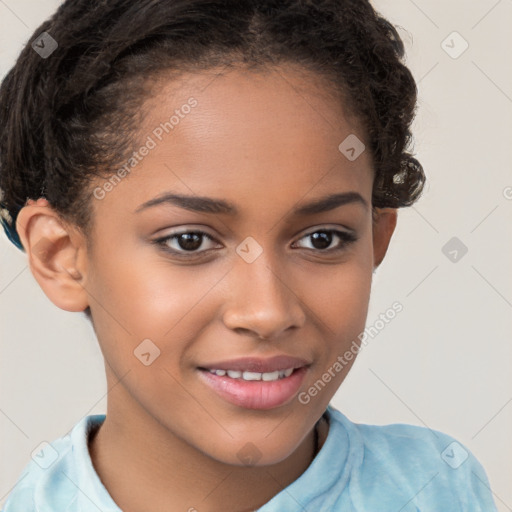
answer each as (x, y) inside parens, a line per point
(181, 287)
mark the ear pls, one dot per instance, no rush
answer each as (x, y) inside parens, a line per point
(384, 223)
(56, 253)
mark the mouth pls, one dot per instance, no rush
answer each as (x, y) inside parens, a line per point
(254, 383)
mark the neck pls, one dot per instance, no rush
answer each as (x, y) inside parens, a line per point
(141, 477)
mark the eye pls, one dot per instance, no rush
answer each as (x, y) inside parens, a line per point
(323, 238)
(184, 242)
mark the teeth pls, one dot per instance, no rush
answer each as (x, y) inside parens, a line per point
(268, 376)
(251, 376)
(288, 372)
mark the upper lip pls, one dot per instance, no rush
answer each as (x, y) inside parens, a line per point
(260, 365)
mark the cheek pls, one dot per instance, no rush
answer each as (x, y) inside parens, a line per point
(148, 297)
(341, 311)
(340, 294)
(145, 293)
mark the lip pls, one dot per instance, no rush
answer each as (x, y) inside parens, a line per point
(256, 394)
(255, 364)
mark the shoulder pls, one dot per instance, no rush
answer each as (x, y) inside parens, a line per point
(48, 481)
(428, 466)
(46, 472)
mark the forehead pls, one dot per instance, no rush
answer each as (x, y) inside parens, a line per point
(244, 135)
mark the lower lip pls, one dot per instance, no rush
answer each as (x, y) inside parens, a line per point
(255, 394)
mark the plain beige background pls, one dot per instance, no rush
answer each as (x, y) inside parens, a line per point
(444, 361)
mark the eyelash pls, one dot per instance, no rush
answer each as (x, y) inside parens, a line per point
(346, 237)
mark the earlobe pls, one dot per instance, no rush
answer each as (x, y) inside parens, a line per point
(383, 228)
(55, 255)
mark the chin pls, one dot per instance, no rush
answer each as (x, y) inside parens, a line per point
(256, 452)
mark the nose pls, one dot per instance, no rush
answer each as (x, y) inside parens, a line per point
(263, 302)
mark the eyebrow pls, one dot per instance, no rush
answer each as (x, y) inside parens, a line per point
(219, 206)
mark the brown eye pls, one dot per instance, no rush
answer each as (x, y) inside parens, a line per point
(322, 239)
(184, 242)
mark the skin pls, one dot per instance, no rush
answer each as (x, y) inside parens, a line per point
(265, 141)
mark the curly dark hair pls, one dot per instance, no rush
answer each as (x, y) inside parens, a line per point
(73, 116)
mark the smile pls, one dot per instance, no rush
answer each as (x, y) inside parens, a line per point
(254, 390)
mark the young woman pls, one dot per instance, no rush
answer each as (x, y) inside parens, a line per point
(213, 183)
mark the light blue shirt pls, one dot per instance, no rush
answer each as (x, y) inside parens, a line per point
(360, 468)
